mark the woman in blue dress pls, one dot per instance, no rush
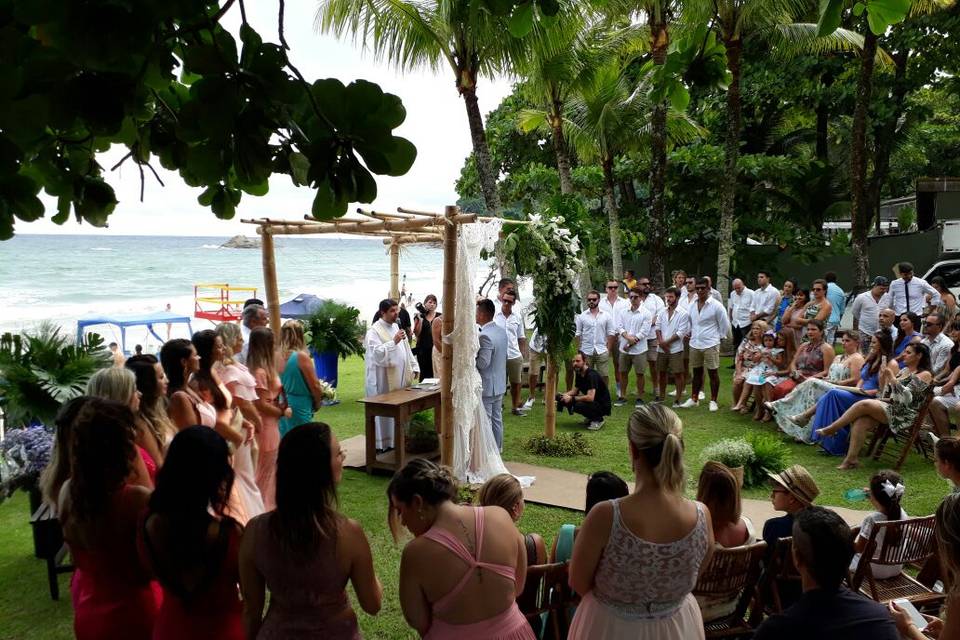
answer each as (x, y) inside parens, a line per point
(298, 377)
(909, 332)
(786, 299)
(835, 402)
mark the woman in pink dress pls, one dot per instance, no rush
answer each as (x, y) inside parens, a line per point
(262, 361)
(120, 385)
(460, 576)
(186, 407)
(113, 597)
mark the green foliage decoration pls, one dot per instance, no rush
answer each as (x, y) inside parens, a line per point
(757, 453)
(335, 327)
(42, 369)
(563, 445)
(165, 80)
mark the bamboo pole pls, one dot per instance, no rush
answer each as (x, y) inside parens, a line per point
(549, 393)
(446, 371)
(270, 281)
(395, 271)
(479, 217)
(414, 238)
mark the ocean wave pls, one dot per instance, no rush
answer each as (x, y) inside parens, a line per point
(209, 246)
(101, 249)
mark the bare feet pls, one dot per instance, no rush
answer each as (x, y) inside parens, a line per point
(826, 432)
(800, 419)
(744, 410)
(766, 418)
(735, 407)
(843, 466)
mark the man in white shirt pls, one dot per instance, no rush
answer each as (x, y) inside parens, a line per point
(595, 332)
(512, 323)
(537, 348)
(652, 303)
(708, 325)
(688, 295)
(612, 304)
(888, 320)
(940, 345)
(866, 311)
(739, 306)
(908, 293)
(766, 299)
(633, 327)
(672, 326)
(713, 292)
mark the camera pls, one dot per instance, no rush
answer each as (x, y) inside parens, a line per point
(422, 309)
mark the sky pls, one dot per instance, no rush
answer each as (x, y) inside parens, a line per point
(436, 123)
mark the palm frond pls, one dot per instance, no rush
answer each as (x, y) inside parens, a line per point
(793, 39)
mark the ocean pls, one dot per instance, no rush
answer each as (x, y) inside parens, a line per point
(64, 277)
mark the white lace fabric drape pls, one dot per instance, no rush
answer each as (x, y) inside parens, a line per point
(475, 454)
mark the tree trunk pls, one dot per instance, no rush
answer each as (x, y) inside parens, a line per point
(549, 393)
(731, 155)
(884, 134)
(481, 153)
(860, 215)
(659, 230)
(610, 204)
(560, 150)
(823, 132)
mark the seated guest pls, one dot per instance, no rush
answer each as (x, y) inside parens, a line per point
(748, 356)
(462, 572)
(946, 459)
(719, 490)
(935, 337)
(504, 491)
(152, 419)
(601, 486)
(120, 385)
(885, 492)
(811, 360)
(909, 324)
(113, 598)
(589, 396)
(305, 551)
(765, 375)
(190, 545)
(898, 408)
(636, 573)
(946, 400)
(822, 548)
(792, 490)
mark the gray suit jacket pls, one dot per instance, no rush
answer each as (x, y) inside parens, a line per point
(492, 359)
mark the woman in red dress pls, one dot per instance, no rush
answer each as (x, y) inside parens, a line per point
(188, 543)
(113, 597)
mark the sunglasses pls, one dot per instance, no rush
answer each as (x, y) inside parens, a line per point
(701, 287)
(633, 296)
(612, 286)
(593, 299)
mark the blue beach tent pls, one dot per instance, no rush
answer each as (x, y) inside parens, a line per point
(135, 320)
(301, 307)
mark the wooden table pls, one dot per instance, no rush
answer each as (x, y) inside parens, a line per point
(399, 405)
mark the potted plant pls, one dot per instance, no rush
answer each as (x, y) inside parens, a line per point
(333, 330)
(734, 453)
(421, 434)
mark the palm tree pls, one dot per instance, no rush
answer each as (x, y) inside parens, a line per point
(411, 34)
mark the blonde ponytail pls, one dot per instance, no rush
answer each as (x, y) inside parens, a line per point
(656, 435)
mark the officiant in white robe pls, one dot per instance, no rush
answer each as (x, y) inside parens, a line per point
(390, 364)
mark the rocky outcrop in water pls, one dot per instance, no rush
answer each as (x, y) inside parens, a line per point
(241, 242)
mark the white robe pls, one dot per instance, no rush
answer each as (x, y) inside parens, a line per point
(386, 365)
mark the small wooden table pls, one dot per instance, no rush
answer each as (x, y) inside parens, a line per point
(399, 405)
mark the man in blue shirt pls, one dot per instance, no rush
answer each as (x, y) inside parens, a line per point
(838, 300)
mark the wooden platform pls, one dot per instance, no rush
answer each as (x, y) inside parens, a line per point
(566, 489)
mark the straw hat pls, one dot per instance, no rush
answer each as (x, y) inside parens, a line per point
(798, 481)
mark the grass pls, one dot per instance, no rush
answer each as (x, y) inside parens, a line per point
(27, 611)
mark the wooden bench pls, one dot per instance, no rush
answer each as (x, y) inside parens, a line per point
(49, 546)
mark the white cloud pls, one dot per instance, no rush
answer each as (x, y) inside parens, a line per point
(436, 123)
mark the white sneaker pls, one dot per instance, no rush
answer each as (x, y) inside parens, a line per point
(595, 426)
(703, 396)
(689, 404)
(713, 406)
(528, 404)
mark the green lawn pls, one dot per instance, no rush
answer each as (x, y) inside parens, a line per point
(26, 610)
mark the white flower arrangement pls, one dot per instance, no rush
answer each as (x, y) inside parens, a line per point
(732, 452)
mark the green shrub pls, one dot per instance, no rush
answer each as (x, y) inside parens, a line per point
(335, 327)
(733, 452)
(560, 446)
(421, 434)
(770, 453)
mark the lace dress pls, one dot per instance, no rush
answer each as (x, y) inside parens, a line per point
(804, 396)
(643, 589)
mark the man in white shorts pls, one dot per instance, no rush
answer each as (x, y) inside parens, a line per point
(595, 334)
(634, 325)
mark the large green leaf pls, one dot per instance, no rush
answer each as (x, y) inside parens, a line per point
(882, 14)
(521, 21)
(831, 13)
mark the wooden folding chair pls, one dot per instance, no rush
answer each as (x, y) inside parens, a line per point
(732, 576)
(546, 591)
(781, 575)
(909, 541)
(906, 439)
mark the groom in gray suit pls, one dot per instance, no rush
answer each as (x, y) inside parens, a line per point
(492, 365)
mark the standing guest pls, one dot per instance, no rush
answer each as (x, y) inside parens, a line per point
(299, 376)
(653, 304)
(423, 329)
(866, 309)
(612, 304)
(186, 408)
(207, 384)
(909, 294)
(595, 335)
(948, 301)
(708, 325)
(601, 486)
(492, 365)
(909, 332)
(58, 468)
(512, 323)
(152, 416)
(120, 385)
(672, 328)
(688, 293)
(589, 396)
(812, 360)
(822, 548)
(940, 345)
(719, 490)
(236, 377)
(905, 394)
(262, 359)
(253, 316)
(713, 292)
(537, 349)
(793, 316)
(739, 305)
(946, 460)
(678, 278)
(633, 325)
(885, 493)
(305, 551)
(138, 350)
(786, 299)
(462, 572)
(190, 545)
(117, 354)
(819, 307)
(887, 319)
(636, 573)
(766, 300)
(838, 300)
(99, 509)
(629, 279)
(748, 355)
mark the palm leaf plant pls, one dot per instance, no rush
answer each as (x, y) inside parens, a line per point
(335, 328)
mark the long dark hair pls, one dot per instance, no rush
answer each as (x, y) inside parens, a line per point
(153, 407)
(101, 454)
(903, 336)
(194, 480)
(889, 503)
(55, 474)
(204, 342)
(877, 357)
(923, 351)
(172, 354)
(306, 511)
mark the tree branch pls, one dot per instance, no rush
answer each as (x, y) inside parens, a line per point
(122, 160)
(283, 40)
